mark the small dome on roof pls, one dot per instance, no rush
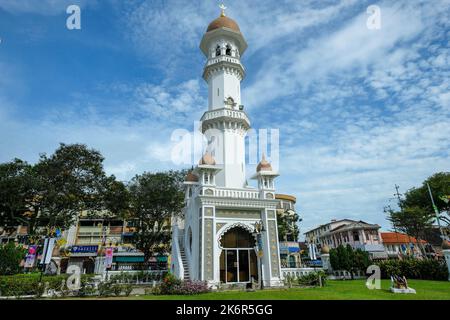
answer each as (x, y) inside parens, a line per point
(207, 159)
(191, 177)
(264, 165)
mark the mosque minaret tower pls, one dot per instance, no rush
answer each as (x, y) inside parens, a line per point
(228, 232)
(225, 124)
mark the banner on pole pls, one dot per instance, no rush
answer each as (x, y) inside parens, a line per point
(108, 257)
(30, 257)
(49, 245)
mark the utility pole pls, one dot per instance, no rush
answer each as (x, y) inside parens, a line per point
(397, 194)
(398, 197)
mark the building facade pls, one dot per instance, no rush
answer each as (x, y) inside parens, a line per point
(229, 231)
(357, 234)
(399, 244)
(87, 239)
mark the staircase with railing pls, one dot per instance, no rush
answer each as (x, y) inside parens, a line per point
(185, 265)
(177, 260)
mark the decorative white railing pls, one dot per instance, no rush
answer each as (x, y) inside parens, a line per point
(223, 59)
(177, 261)
(234, 193)
(298, 272)
(224, 112)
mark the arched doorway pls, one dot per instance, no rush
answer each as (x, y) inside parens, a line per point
(238, 262)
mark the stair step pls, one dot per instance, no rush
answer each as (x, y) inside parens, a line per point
(185, 264)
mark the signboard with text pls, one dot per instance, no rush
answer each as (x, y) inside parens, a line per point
(84, 249)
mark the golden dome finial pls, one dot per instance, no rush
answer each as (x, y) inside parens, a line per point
(223, 8)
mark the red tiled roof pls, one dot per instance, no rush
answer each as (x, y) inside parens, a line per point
(396, 237)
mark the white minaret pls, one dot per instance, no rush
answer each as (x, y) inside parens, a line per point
(225, 124)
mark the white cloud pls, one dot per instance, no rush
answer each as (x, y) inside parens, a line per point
(172, 104)
(42, 7)
(352, 49)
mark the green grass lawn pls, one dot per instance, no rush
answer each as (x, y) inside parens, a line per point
(334, 290)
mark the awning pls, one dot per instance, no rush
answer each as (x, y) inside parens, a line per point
(129, 259)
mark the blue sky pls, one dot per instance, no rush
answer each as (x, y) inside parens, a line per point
(358, 110)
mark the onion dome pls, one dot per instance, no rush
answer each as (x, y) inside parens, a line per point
(445, 245)
(223, 22)
(325, 249)
(264, 165)
(207, 159)
(190, 177)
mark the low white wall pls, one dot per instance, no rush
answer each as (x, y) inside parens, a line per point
(298, 272)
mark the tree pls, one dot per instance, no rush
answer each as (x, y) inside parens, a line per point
(287, 226)
(155, 198)
(416, 215)
(10, 258)
(419, 197)
(348, 259)
(53, 192)
(19, 188)
(414, 221)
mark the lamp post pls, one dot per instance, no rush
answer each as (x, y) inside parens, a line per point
(259, 229)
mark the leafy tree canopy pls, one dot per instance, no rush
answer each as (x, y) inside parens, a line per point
(155, 198)
(348, 259)
(53, 192)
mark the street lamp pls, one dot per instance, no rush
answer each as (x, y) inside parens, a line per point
(259, 229)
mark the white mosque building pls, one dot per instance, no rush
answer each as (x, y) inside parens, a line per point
(228, 233)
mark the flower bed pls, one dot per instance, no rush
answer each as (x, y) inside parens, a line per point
(173, 286)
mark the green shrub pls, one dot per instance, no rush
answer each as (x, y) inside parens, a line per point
(313, 279)
(105, 289)
(289, 280)
(29, 285)
(411, 268)
(169, 283)
(117, 289)
(10, 258)
(86, 288)
(127, 288)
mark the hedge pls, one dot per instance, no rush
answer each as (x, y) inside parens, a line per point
(426, 269)
(28, 284)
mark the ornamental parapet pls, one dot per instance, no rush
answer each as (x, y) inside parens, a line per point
(224, 118)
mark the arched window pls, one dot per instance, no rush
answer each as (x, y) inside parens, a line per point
(237, 238)
(228, 50)
(218, 51)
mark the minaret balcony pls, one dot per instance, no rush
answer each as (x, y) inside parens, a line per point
(225, 58)
(224, 62)
(225, 115)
